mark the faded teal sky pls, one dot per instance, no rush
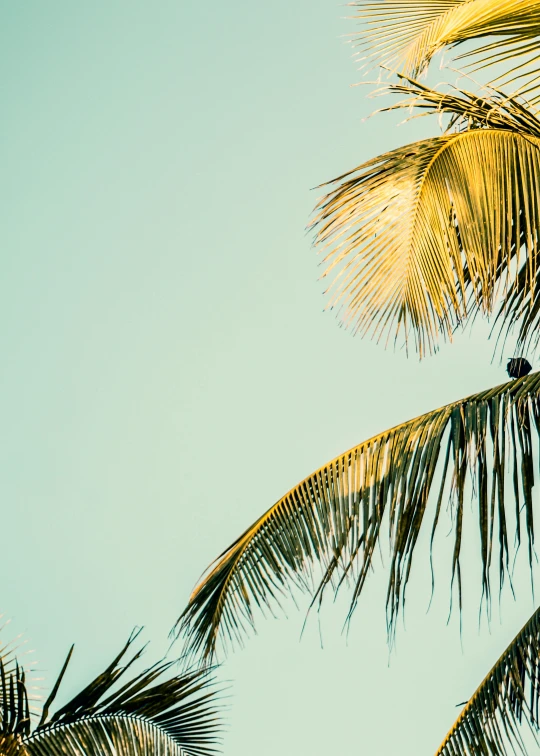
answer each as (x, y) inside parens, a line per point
(168, 371)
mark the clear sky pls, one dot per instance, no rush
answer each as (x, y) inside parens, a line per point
(168, 371)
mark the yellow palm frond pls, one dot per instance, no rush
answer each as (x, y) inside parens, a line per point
(490, 108)
(334, 517)
(10, 745)
(420, 237)
(404, 35)
(520, 308)
(509, 693)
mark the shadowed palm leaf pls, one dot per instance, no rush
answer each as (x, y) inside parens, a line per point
(14, 708)
(509, 693)
(404, 35)
(420, 238)
(334, 517)
(176, 716)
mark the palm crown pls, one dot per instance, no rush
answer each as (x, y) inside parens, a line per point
(418, 241)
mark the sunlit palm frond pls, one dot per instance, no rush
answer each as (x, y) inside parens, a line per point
(419, 238)
(489, 108)
(404, 35)
(10, 745)
(520, 308)
(334, 517)
(175, 716)
(509, 694)
(519, 312)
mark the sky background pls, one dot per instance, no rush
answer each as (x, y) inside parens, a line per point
(168, 371)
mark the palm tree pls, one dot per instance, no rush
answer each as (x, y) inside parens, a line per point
(419, 241)
(176, 716)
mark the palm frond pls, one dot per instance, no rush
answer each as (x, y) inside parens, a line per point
(14, 708)
(520, 308)
(509, 694)
(175, 716)
(106, 736)
(420, 238)
(15, 720)
(404, 35)
(490, 108)
(334, 517)
(11, 745)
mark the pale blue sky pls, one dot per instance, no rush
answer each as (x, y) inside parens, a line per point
(168, 371)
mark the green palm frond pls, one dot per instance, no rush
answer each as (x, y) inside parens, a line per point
(106, 736)
(404, 35)
(334, 517)
(509, 694)
(420, 238)
(151, 712)
(180, 708)
(14, 709)
(15, 701)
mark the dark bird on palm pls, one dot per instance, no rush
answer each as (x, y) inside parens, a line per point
(518, 367)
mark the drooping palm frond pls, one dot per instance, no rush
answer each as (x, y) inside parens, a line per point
(520, 310)
(175, 716)
(419, 238)
(334, 517)
(404, 35)
(520, 307)
(509, 694)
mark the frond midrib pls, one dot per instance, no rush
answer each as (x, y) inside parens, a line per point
(89, 718)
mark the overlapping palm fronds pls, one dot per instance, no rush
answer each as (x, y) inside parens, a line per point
(14, 708)
(175, 716)
(420, 238)
(520, 308)
(489, 108)
(508, 695)
(404, 35)
(14, 699)
(334, 517)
